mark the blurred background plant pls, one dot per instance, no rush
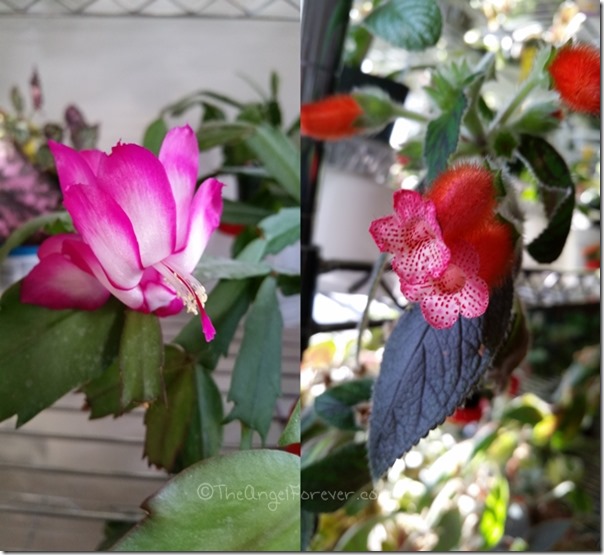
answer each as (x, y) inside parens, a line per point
(28, 180)
(514, 472)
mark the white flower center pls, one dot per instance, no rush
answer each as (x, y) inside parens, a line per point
(187, 288)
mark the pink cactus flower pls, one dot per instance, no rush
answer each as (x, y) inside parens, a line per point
(141, 230)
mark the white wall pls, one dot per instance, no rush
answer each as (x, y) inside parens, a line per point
(122, 70)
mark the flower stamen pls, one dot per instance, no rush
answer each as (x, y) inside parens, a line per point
(188, 288)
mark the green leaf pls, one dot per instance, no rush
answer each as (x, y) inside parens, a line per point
(448, 528)
(235, 212)
(46, 353)
(291, 433)
(289, 284)
(281, 229)
(279, 156)
(492, 523)
(154, 135)
(442, 135)
(219, 133)
(26, 230)
(331, 482)
(104, 393)
(167, 420)
(557, 192)
(141, 358)
(336, 405)
(210, 413)
(408, 24)
(211, 267)
(246, 501)
(256, 381)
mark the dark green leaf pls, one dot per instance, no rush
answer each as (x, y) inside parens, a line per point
(331, 482)
(557, 191)
(278, 155)
(442, 135)
(141, 358)
(425, 374)
(210, 413)
(167, 420)
(408, 24)
(210, 268)
(281, 229)
(524, 414)
(246, 501)
(220, 133)
(46, 353)
(448, 528)
(256, 380)
(211, 112)
(336, 405)
(291, 433)
(235, 212)
(154, 135)
(103, 394)
(289, 284)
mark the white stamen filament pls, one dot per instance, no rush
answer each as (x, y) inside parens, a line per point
(187, 288)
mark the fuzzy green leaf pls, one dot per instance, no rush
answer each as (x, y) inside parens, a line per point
(408, 24)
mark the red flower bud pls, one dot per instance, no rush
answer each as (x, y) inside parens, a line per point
(494, 243)
(465, 200)
(330, 118)
(575, 71)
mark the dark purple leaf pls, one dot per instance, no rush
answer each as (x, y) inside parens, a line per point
(425, 374)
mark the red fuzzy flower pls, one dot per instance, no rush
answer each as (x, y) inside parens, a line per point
(331, 118)
(576, 75)
(465, 200)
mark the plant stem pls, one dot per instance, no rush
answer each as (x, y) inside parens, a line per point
(246, 437)
(408, 114)
(503, 115)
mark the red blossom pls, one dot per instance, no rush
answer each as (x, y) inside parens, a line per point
(330, 118)
(575, 72)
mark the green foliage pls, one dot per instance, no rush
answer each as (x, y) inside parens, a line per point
(408, 24)
(246, 501)
(82, 345)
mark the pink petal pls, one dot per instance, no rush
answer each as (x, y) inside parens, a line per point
(204, 218)
(414, 237)
(158, 294)
(58, 283)
(473, 299)
(441, 311)
(137, 182)
(179, 155)
(72, 167)
(387, 234)
(93, 159)
(53, 245)
(175, 307)
(106, 228)
(81, 254)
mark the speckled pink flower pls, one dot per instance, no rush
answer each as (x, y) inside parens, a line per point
(458, 291)
(412, 234)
